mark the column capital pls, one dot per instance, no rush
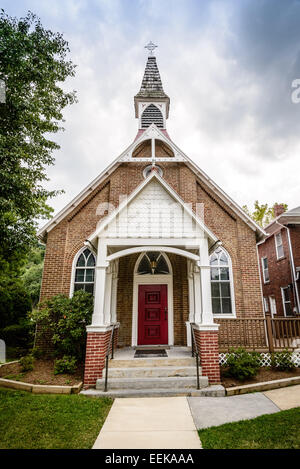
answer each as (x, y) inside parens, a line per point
(101, 327)
(203, 266)
(104, 265)
(207, 327)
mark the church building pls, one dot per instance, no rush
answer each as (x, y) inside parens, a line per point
(159, 245)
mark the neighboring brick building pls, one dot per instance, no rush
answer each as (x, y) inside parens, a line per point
(168, 246)
(279, 255)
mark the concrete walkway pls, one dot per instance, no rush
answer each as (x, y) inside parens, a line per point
(285, 398)
(210, 411)
(171, 422)
(149, 423)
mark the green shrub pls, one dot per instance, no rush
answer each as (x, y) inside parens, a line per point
(242, 365)
(27, 363)
(283, 360)
(67, 364)
(66, 320)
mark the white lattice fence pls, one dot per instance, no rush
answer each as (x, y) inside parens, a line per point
(265, 358)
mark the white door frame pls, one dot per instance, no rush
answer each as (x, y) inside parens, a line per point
(152, 280)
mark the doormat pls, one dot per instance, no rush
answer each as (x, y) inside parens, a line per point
(150, 353)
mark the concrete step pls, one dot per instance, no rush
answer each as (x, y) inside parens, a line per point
(151, 362)
(210, 391)
(172, 383)
(148, 372)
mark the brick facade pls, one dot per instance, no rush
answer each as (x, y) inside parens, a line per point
(69, 235)
(65, 240)
(280, 270)
(208, 347)
(96, 348)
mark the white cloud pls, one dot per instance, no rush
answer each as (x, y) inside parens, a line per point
(226, 68)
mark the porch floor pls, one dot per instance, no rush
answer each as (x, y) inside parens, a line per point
(127, 353)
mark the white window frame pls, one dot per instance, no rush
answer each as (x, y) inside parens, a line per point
(277, 245)
(273, 307)
(266, 304)
(284, 301)
(231, 283)
(76, 257)
(263, 269)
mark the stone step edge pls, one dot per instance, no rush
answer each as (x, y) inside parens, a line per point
(263, 386)
(209, 391)
(153, 382)
(156, 368)
(150, 362)
(146, 379)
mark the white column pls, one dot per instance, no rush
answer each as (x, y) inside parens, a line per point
(190, 278)
(207, 314)
(107, 298)
(114, 291)
(190, 269)
(197, 296)
(98, 318)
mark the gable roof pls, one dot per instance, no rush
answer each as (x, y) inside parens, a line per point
(153, 176)
(289, 217)
(151, 132)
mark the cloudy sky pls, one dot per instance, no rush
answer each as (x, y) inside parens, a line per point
(228, 67)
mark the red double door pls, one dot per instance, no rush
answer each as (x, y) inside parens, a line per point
(153, 315)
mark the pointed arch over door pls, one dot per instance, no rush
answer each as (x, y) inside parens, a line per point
(152, 315)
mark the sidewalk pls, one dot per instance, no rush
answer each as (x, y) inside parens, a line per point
(172, 422)
(149, 423)
(210, 411)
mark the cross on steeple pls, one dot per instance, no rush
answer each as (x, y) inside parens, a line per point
(150, 46)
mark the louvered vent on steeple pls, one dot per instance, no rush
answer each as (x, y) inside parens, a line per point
(151, 102)
(152, 115)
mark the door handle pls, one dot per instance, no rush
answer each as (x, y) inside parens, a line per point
(166, 312)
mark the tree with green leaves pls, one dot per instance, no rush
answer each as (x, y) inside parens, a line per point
(33, 66)
(31, 272)
(262, 213)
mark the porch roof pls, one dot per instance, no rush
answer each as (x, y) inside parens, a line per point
(154, 176)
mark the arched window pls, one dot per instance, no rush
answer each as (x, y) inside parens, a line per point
(221, 282)
(152, 115)
(85, 272)
(153, 263)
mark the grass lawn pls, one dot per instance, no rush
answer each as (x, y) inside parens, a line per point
(50, 421)
(274, 431)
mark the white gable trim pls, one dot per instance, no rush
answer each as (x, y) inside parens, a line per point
(170, 191)
(207, 180)
(151, 132)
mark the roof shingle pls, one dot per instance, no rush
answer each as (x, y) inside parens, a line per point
(151, 86)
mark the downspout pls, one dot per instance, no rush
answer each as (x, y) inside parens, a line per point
(294, 278)
(260, 279)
